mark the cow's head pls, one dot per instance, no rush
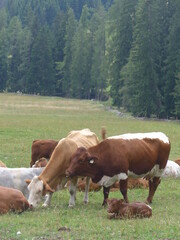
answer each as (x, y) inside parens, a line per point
(114, 205)
(82, 164)
(37, 188)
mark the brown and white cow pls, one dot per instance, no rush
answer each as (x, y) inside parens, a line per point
(54, 173)
(119, 209)
(12, 200)
(117, 158)
(42, 148)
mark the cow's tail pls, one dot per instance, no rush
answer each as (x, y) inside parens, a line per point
(103, 133)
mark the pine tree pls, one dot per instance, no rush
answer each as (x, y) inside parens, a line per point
(173, 61)
(41, 73)
(120, 29)
(81, 58)
(14, 40)
(98, 69)
(3, 49)
(66, 66)
(140, 74)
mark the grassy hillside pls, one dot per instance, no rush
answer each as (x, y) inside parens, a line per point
(25, 118)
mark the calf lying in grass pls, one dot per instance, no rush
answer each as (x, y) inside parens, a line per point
(119, 209)
(12, 200)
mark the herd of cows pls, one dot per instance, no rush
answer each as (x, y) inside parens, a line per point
(81, 161)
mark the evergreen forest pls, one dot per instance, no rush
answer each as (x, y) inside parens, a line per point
(124, 50)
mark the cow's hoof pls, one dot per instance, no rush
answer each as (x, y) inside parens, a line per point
(45, 205)
(71, 206)
(85, 202)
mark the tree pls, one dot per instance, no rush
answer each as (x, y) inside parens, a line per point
(98, 69)
(141, 70)
(41, 73)
(13, 57)
(3, 49)
(65, 70)
(120, 31)
(81, 58)
(173, 62)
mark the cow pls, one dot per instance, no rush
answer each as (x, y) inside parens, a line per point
(172, 170)
(15, 178)
(42, 162)
(119, 209)
(42, 148)
(12, 200)
(2, 164)
(119, 157)
(54, 172)
(177, 161)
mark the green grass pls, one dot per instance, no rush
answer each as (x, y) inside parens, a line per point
(25, 118)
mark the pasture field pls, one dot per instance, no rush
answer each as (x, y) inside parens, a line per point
(24, 118)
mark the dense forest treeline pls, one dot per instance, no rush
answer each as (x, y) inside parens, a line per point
(126, 49)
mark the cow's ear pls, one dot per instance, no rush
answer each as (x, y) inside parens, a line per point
(48, 188)
(28, 181)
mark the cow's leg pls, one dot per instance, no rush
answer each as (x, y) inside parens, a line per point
(123, 189)
(48, 196)
(47, 200)
(106, 194)
(86, 190)
(153, 184)
(72, 191)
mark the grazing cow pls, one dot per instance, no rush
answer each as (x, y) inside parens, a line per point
(172, 169)
(2, 164)
(119, 209)
(15, 178)
(177, 161)
(120, 157)
(54, 172)
(12, 200)
(42, 148)
(42, 162)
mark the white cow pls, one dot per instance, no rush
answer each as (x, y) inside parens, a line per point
(15, 178)
(172, 169)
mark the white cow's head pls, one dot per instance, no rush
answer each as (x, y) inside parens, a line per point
(36, 189)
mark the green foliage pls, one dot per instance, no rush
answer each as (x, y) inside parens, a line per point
(41, 76)
(120, 34)
(173, 61)
(84, 46)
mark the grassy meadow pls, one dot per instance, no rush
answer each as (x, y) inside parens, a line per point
(24, 118)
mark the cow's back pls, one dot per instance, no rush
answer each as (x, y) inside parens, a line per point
(84, 138)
